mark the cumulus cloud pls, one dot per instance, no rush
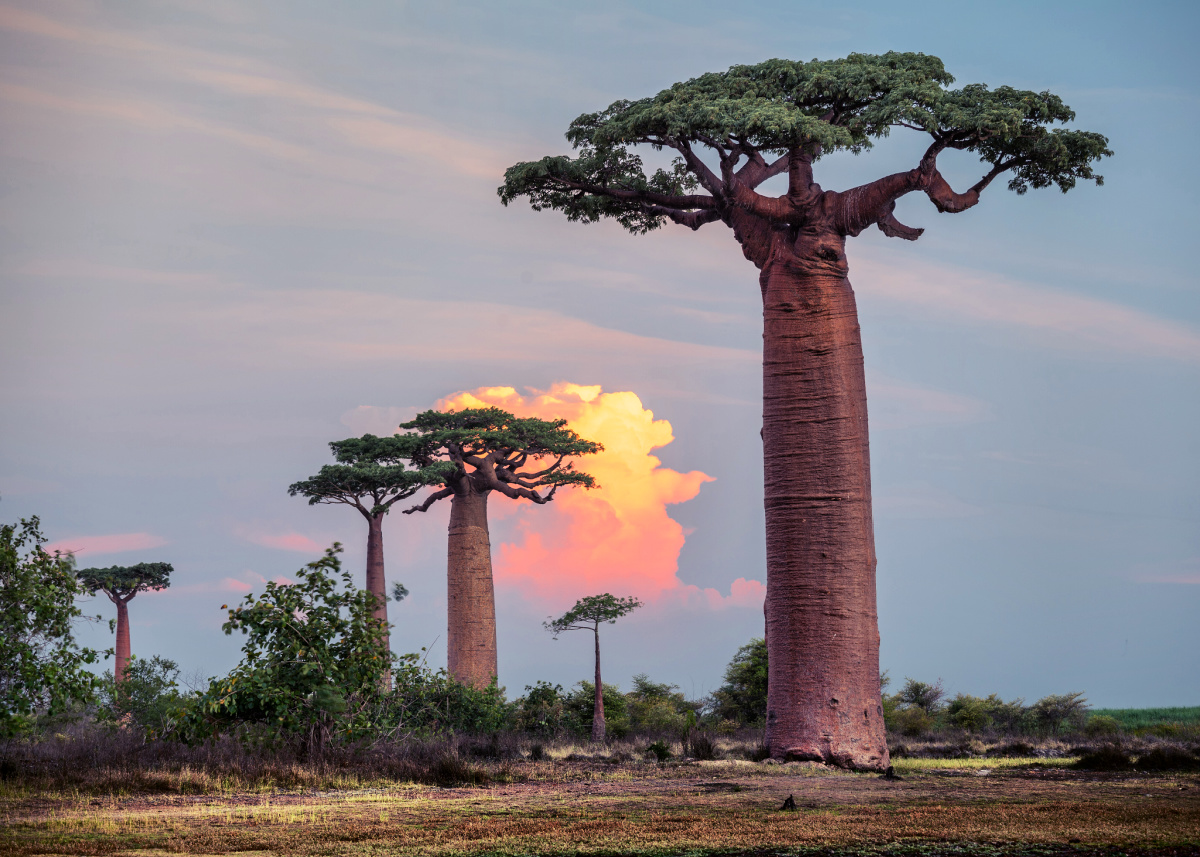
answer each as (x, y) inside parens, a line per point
(99, 545)
(618, 537)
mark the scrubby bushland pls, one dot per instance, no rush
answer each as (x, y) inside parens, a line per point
(742, 699)
(147, 698)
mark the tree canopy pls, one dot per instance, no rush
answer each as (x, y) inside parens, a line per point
(591, 612)
(498, 446)
(370, 474)
(794, 112)
(122, 582)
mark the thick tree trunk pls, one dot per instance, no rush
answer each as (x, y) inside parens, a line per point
(377, 581)
(821, 623)
(122, 652)
(598, 710)
(471, 607)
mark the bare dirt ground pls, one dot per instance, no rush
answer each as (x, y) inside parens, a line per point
(694, 809)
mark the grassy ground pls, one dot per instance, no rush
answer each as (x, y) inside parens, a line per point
(976, 806)
(1148, 718)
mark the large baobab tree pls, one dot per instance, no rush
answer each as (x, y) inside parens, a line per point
(371, 476)
(489, 450)
(729, 133)
(121, 583)
(589, 614)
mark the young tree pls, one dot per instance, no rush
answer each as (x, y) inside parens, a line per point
(488, 450)
(587, 615)
(41, 665)
(121, 583)
(370, 476)
(730, 132)
(743, 696)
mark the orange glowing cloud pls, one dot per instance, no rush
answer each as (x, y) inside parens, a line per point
(618, 537)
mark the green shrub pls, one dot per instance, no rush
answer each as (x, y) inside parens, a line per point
(1055, 714)
(580, 704)
(660, 751)
(542, 710)
(910, 720)
(147, 697)
(658, 707)
(743, 697)
(431, 703)
(1101, 725)
(919, 694)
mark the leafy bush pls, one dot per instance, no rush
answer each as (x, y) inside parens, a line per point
(658, 707)
(313, 665)
(927, 697)
(435, 702)
(146, 698)
(743, 697)
(41, 666)
(1055, 714)
(910, 720)
(542, 710)
(660, 751)
(1100, 725)
(579, 707)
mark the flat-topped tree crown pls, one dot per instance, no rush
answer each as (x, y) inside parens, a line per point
(123, 582)
(794, 112)
(731, 131)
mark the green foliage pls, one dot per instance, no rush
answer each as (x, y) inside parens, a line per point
(453, 439)
(429, 703)
(124, 581)
(588, 613)
(658, 707)
(910, 720)
(148, 697)
(742, 699)
(660, 751)
(782, 105)
(579, 706)
(41, 666)
(927, 697)
(1101, 725)
(542, 710)
(370, 474)
(1059, 713)
(312, 664)
(1147, 718)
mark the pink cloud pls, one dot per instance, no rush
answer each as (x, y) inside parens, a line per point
(285, 542)
(115, 543)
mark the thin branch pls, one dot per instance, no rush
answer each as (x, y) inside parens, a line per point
(430, 500)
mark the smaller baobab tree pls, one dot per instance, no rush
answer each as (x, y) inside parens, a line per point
(488, 450)
(587, 615)
(371, 476)
(121, 583)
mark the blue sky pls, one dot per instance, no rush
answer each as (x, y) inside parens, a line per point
(232, 232)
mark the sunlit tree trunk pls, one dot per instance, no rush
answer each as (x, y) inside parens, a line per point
(471, 601)
(821, 621)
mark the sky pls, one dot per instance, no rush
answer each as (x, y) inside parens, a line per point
(231, 232)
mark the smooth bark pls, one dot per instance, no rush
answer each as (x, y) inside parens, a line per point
(122, 648)
(376, 580)
(471, 601)
(598, 710)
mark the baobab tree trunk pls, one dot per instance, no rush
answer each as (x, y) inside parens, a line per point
(821, 622)
(122, 651)
(598, 710)
(377, 582)
(471, 601)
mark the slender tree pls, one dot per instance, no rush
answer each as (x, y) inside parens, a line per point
(121, 583)
(587, 615)
(371, 477)
(489, 450)
(730, 132)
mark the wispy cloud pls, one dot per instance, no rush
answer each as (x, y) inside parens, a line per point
(108, 544)
(898, 405)
(292, 541)
(1185, 571)
(1056, 318)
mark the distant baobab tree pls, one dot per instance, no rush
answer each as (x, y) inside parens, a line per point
(121, 583)
(729, 133)
(488, 450)
(587, 615)
(371, 476)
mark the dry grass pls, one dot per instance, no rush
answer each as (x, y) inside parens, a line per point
(575, 808)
